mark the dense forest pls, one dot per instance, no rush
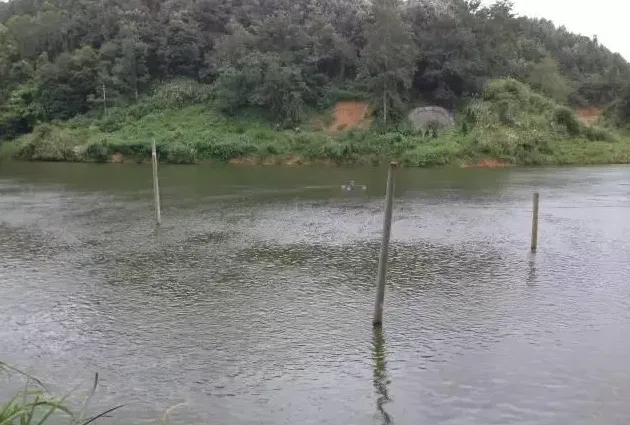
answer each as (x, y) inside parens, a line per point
(285, 58)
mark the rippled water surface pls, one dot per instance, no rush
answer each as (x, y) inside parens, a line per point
(252, 303)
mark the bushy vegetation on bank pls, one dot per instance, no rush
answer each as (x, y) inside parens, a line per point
(100, 60)
(508, 123)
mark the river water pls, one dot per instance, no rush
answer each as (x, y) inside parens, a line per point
(252, 303)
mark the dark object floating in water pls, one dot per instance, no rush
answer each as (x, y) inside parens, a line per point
(351, 186)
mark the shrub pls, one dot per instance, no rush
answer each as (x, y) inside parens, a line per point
(111, 123)
(48, 143)
(336, 151)
(268, 149)
(98, 152)
(134, 148)
(261, 134)
(279, 147)
(334, 93)
(225, 150)
(595, 133)
(432, 154)
(506, 113)
(180, 93)
(179, 153)
(568, 120)
(472, 113)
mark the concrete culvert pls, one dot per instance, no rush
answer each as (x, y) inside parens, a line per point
(428, 117)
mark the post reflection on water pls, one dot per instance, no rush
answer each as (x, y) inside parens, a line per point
(532, 275)
(381, 379)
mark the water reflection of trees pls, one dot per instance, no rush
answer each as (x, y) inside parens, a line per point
(381, 379)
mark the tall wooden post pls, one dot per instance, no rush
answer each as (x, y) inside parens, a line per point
(382, 261)
(156, 185)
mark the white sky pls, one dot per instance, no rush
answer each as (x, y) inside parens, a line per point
(607, 19)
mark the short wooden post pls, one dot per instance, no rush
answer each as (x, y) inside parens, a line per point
(156, 185)
(535, 222)
(382, 261)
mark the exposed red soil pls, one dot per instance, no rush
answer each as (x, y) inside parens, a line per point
(348, 115)
(590, 114)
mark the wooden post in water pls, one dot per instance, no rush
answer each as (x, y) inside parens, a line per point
(156, 185)
(382, 261)
(535, 223)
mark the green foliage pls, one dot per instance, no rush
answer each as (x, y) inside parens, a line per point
(180, 93)
(52, 143)
(595, 133)
(595, 75)
(130, 71)
(512, 123)
(66, 84)
(512, 146)
(178, 153)
(336, 92)
(85, 79)
(98, 151)
(59, 59)
(263, 81)
(567, 119)
(237, 147)
(34, 405)
(618, 112)
(546, 78)
(439, 152)
(509, 122)
(388, 59)
(132, 148)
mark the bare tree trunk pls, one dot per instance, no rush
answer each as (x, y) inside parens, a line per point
(135, 78)
(385, 105)
(104, 101)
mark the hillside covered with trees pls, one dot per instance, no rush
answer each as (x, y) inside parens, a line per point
(78, 77)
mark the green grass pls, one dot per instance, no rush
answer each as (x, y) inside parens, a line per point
(510, 124)
(34, 405)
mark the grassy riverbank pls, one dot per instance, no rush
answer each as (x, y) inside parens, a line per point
(509, 125)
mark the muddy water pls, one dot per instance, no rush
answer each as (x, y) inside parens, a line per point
(252, 303)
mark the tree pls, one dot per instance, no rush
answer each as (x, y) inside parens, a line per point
(619, 111)
(66, 85)
(130, 68)
(450, 64)
(285, 56)
(545, 77)
(8, 55)
(21, 111)
(388, 58)
(22, 29)
(263, 81)
(180, 47)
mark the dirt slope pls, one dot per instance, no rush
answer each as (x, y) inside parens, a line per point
(589, 115)
(348, 115)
